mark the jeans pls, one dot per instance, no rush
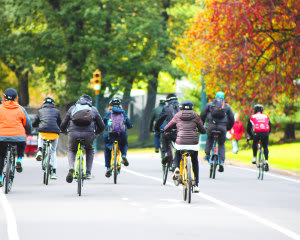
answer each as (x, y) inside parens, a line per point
(221, 140)
(157, 139)
(235, 147)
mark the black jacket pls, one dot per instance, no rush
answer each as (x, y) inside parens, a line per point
(227, 121)
(96, 126)
(163, 117)
(48, 119)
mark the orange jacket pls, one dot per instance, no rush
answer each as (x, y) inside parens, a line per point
(13, 121)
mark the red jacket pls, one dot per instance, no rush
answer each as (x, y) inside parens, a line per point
(237, 130)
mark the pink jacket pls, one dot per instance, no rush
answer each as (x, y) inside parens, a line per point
(237, 130)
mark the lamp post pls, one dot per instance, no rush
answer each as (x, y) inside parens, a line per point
(202, 139)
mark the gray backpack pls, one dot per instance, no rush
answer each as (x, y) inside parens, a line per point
(82, 115)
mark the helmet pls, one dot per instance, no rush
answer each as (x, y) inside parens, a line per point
(162, 101)
(10, 94)
(171, 96)
(49, 100)
(186, 105)
(220, 94)
(115, 102)
(258, 108)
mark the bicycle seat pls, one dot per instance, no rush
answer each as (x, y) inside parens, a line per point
(216, 132)
(81, 140)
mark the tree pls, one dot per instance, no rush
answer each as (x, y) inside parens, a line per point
(248, 48)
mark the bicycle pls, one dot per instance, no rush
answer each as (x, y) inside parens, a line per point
(214, 159)
(9, 167)
(46, 160)
(80, 166)
(187, 177)
(260, 163)
(116, 160)
(169, 165)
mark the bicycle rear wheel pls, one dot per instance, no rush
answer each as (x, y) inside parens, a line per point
(115, 164)
(79, 178)
(47, 166)
(189, 179)
(214, 166)
(262, 165)
(6, 177)
(165, 172)
(258, 165)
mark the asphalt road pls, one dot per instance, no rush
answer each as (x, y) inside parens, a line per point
(233, 206)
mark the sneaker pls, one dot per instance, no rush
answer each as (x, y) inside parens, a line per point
(1, 181)
(176, 174)
(266, 166)
(157, 150)
(38, 156)
(108, 172)
(196, 189)
(69, 177)
(165, 159)
(125, 161)
(88, 175)
(206, 158)
(19, 165)
(53, 176)
(253, 160)
(221, 167)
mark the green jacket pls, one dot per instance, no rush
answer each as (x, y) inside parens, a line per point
(154, 116)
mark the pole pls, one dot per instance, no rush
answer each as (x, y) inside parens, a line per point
(203, 137)
(97, 106)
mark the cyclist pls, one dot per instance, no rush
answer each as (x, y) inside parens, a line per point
(14, 124)
(165, 117)
(83, 121)
(218, 116)
(116, 124)
(258, 128)
(48, 121)
(188, 123)
(154, 116)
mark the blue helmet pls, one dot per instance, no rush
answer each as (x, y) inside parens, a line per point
(220, 95)
(186, 105)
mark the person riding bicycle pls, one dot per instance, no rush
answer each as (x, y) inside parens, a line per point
(154, 116)
(14, 125)
(188, 123)
(218, 116)
(83, 121)
(165, 117)
(259, 128)
(116, 124)
(48, 121)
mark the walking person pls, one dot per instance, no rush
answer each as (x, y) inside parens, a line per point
(236, 133)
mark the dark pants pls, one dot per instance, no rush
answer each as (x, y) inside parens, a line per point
(264, 141)
(88, 146)
(166, 139)
(3, 148)
(221, 140)
(157, 139)
(109, 141)
(194, 156)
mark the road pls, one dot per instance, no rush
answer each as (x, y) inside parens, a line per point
(233, 206)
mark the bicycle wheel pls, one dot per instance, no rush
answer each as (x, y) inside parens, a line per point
(79, 178)
(262, 165)
(189, 179)
(47, 166)
(7, 173)
(115, 163)
(214, 166)
(258, 165)
(165, 172)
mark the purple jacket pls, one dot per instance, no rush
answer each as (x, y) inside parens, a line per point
(188, 123)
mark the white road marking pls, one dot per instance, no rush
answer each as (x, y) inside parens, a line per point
(125, 199)
(267, 173)
(10, 218)
(241, 211)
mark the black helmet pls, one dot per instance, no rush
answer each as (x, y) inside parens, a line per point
(162, 101)
(186, 105)
(115, 102)
(49, 100)
(171, 96)
(258, 108)
(10, 94)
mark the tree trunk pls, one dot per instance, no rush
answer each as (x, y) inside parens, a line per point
(289, 132)
(151, 98)
(23, 92)
(126, 97)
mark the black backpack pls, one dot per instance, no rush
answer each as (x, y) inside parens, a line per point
(172, 110)
(82, 115)
(218, 108)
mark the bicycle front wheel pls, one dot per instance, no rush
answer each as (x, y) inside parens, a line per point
(47, 169)
(79, 178)
(214, 166)
(189, 179)
(115, 163)
(165, 172)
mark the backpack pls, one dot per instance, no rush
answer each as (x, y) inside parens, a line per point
(117, 122)
(218, 108)
(172, 110)
(82, 115)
